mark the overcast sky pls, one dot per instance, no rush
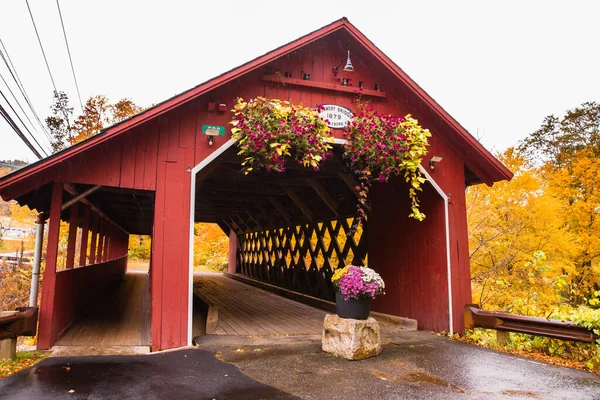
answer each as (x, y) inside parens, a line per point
(497, 67)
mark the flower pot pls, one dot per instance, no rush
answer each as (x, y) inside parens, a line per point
(353, 309)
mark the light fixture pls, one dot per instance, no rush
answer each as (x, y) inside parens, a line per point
(306, 76)
(211, 132)
(348, 67)
(433, 160)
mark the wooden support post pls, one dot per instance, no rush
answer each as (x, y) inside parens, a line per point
(72, 240)
(101, 235)
(85, 226)
(94, 241)
(46, 331)
(324, 195)
(107, 240)
(232, 259)
(298, 202)
(503, 337)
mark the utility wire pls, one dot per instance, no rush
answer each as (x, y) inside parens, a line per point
(12, 124)
(69, 52)
(41, 47)
(18, 104)
(25, 126)
(13, 72)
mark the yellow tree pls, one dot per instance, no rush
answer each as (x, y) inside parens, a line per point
(517, 243)
(575, 187)
(211, 247)
(94, 118)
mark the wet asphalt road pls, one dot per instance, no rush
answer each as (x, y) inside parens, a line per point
(413, 365)
(184, 374)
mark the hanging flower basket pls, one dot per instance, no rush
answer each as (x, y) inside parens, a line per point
(272, 132)
(380, 146)
(355, 288)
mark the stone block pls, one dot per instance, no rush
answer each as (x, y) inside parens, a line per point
(352, 339)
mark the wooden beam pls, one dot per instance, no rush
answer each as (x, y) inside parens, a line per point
(324, 195)
(352, 184)
(73, 191)
(235, 226)
(242, 222)
(284, 213)
(255, 221)
(298, 202)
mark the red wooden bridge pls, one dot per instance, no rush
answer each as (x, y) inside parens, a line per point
(156, 173)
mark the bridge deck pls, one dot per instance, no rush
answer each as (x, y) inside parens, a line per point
(245, 310)
(122, 319)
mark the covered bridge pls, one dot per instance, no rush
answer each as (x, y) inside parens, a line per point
(158, 172)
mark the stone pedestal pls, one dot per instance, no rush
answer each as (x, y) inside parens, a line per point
(8, 349)
(352, 339)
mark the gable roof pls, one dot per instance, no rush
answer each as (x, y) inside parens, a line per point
(489, 169)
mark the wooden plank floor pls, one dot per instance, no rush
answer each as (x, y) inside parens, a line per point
(123, 319)
(245, 310)
(248, 311)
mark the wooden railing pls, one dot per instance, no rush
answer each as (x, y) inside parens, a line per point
(504, 323)
(22, 322)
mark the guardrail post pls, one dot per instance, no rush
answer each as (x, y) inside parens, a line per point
(8, 349)
(503, 337)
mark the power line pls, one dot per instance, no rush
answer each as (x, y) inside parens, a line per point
(13, 72)
(41, 47)
(25, 126)
(69, 52)
(12, 124)
(19, 104)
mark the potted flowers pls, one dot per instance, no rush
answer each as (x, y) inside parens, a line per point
(355, 288)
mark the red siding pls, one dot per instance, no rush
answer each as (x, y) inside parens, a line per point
(82, 287)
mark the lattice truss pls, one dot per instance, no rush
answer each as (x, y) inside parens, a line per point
(302, 257)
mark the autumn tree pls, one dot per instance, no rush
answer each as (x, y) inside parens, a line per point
(518, 245)
(98, 113)
(60, 123)
(569, 148)
(560, 139)
(123, 109)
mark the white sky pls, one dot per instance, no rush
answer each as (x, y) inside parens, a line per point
(498, 67)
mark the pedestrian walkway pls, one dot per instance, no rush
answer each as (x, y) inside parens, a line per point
(245, 310)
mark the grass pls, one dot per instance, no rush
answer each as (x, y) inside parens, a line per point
(25, 359)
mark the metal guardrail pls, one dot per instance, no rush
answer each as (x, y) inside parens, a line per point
(504, 322)
(23, 322)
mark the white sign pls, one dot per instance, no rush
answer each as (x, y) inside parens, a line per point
(336, 116)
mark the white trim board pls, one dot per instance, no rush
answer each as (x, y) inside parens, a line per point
(193, 173)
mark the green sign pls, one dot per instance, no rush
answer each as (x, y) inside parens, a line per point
(213, 130)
